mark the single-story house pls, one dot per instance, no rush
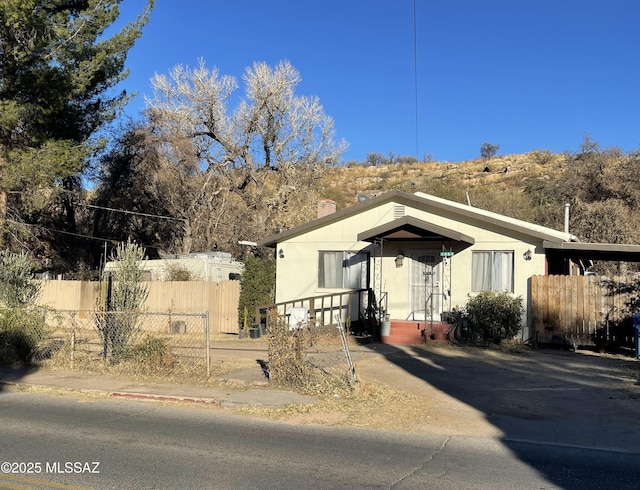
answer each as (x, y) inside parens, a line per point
(420, 256)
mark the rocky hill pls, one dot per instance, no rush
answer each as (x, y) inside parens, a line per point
(601, 185)
(494, 184)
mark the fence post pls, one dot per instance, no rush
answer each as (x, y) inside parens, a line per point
(207, 343)
(73, 340)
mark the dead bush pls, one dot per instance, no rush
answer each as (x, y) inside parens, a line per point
(289, 367)
(153, 354)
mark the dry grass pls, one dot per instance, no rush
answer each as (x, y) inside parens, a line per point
(83, 395)
(374, 405)
(190, 371)
(444, 179)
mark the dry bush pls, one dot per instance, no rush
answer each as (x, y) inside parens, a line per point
(150, 358)
(153, 354)
(289, 367)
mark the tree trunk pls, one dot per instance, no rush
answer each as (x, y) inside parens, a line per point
(187, 238)
(3, 217)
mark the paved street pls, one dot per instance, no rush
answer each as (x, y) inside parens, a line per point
(141, 445)
(535, 419)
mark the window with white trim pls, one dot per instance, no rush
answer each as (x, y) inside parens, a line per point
(342, 270)
(492, 271)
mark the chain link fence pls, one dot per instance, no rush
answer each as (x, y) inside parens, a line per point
(124, 342)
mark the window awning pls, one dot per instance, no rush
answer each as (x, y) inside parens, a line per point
(410, 228)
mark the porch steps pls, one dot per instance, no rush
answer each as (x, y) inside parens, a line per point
(407, 332)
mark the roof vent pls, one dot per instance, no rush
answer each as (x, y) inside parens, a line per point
(398, 211)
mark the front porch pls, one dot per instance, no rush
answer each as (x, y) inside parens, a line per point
(356, 310)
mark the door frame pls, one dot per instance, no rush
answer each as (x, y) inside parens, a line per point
(425, 311)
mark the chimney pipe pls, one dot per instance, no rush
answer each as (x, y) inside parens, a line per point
(566, 217)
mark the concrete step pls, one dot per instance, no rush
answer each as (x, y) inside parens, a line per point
(402, 339)
(409, 332)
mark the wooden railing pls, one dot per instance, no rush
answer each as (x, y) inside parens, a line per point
(353, 307)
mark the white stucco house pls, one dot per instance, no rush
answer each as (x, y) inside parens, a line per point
(419, 255)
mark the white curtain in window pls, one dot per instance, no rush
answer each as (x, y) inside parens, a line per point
(492, 271)
(342, 270)
(481, 271)
(354, 270)
(330, 273)
(503, 271)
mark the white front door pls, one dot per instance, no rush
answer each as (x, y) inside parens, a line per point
(425, 286)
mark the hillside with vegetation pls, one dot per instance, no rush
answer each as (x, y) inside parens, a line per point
(601, 185)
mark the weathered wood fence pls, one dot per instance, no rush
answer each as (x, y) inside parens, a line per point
(583, 310)
(218, 299)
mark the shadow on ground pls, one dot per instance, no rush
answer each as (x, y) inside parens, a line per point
(10, 375)
(539, 399)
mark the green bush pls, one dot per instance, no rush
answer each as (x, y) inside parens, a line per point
(257, 286)
(17, 286)
(21, 328)
(117, 323)
(21, 332)
(495, 316)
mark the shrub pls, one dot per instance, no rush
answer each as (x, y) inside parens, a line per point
(179, 272)
(256, 288)
(541, 157)
(21, 332)
(289, 367)
(118, 324)
(21, 328)
(495, 316)
(17, 286)
(153, 353)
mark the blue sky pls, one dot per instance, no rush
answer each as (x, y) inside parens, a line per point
(523, 74)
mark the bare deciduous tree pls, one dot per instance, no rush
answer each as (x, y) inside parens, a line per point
(259, 161)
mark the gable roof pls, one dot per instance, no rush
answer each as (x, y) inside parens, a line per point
(420, 200)
(409, 227)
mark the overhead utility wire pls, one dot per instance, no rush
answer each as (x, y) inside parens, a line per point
(63, 232)
(79, 235)
(131, 212)
(415, 73)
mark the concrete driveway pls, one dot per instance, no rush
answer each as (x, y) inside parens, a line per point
(552, 396)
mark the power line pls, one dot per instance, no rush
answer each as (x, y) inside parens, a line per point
(130, 212)
(415, 73)
(79, 235)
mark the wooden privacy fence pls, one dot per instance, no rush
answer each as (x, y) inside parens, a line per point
(218, 299)
(583, 310)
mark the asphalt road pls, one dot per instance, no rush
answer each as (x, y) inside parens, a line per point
(148, 445)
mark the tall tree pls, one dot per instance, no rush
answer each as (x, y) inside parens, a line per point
(261, 159)
(132, 176)
(58, 70)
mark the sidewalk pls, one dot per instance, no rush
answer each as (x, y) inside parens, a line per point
(247, 386)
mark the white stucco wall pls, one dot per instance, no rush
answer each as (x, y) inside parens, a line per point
(297, 271)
